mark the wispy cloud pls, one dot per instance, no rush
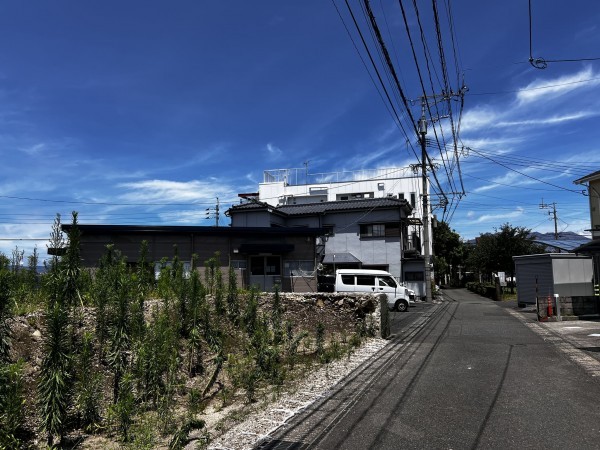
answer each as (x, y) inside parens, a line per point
(474, 217)
(478, 118)
(34, 150)
(273, 150)
(165, 191)
(549, 89)
(548, 120)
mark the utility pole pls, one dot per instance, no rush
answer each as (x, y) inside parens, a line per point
(427, 256)
(422, 129)
(213, 213)
(551, 213)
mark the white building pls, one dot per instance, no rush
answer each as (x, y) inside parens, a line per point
(297, 186)
(287, 187)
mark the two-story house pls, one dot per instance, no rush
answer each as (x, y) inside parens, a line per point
(360, 233)
(287, 187)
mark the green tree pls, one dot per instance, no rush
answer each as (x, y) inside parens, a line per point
(514, 241)
(494, 252)
(449, 252)
(483, 258)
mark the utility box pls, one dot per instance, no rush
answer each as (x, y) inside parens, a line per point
(565, 274)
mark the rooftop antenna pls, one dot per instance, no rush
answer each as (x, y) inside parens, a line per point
(306, 170)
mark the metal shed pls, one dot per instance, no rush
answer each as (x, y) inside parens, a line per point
(565, 274)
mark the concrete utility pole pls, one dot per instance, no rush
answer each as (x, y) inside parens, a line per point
(213, 212)
(422, 129)
(552, 213)
(427, 256)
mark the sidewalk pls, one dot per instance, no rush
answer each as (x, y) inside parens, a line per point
(578, 339)
(583, 334)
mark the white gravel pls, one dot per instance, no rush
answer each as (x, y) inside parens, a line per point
(258, 426)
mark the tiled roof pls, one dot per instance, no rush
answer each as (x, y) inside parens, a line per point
(255, 204)
(343, 205)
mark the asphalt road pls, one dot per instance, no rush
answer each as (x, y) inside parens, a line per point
(460, 374)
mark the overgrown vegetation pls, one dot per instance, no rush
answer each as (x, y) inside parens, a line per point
(456, 262)
(137, 359)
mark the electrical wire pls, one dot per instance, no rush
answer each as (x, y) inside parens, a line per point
(542, 63)
(388, 105)
(76, 202)
(534, 88)
(528, 176)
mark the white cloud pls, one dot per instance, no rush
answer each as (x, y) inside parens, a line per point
(478, 118)
(544, 89)
(502, 217)
(165, 191)
(34, 150)
(548, 120)
(274, 150)
(26, 238)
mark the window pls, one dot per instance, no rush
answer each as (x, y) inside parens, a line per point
(168, 266)
(355, 196)
(329, 230)
(372, 230)
(365, 280)
(413, 199)
(380, 230)
(298, 268)
(414, 276)
(239, 264)
(387, 281)
(401, 195)
(272, 265)
(348, 279)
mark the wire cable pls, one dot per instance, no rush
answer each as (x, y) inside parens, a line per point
(542, 63)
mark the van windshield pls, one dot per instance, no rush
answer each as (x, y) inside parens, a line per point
(387, 281)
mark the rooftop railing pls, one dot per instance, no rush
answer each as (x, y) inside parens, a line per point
(300, 176)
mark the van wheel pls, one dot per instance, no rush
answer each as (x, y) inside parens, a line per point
(401, 305)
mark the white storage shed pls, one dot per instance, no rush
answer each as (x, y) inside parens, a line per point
(565, 274)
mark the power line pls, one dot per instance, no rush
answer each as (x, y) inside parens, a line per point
(75, 202)
(525, 175)
(394, 116)
(542, 63)
(535, 88)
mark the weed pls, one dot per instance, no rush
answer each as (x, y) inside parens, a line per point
(181, 436)
(11, 403)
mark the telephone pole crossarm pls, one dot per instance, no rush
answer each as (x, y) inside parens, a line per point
(551, 206)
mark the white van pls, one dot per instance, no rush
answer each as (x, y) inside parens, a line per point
(374, 282)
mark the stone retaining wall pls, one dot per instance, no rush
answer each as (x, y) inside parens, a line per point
(366, 307)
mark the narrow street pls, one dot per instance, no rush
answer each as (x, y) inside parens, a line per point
(463, 373)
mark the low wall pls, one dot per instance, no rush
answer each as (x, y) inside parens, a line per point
(569, 307)
(371, 308)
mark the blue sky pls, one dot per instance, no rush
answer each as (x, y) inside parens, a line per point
(144, 112)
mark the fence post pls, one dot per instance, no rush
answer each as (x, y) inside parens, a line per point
(558, 317)
(384, 317)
